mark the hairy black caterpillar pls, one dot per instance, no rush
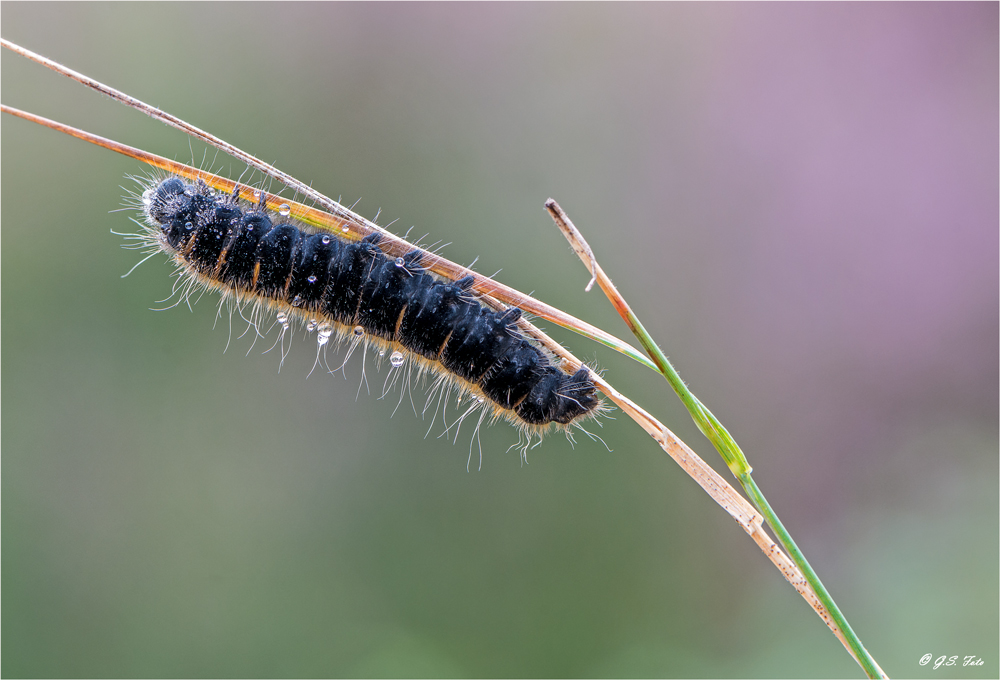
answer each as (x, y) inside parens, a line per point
(355, 289)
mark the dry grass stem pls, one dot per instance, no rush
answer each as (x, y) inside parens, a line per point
(709, 480)
(357, 228)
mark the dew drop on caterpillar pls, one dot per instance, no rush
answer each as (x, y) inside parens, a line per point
(357, 292)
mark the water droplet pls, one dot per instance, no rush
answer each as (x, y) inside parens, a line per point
(211, 191)
(381, 352)
(480, 399)
(284, 210)
(297, 301)
(326, 240)
(400, 262)
(323, 331)
(189, 192)
(147, 197)
(345, 228)
(188, 226)
(282, 318)
(396, 359)
(311, 326)
(311, 279)
(359, 331)
(256, 194)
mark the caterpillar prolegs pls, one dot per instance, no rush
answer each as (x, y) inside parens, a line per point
(354, 289)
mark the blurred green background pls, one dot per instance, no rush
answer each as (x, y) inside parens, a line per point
(799, 200)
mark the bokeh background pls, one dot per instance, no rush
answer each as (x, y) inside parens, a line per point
(799, 200)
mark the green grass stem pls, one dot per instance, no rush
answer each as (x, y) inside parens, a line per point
(717, 434)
